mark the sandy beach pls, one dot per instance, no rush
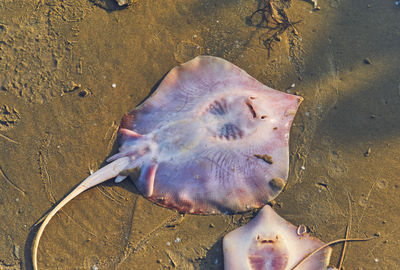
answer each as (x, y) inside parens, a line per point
(70, 70)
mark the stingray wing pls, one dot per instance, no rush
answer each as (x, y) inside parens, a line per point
(216, 181)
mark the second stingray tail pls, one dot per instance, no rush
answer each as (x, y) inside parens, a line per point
(107, 172)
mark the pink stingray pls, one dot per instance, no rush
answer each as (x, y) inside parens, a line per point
(211, 139)
(268, 242)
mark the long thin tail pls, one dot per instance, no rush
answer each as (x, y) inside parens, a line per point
(105, 173)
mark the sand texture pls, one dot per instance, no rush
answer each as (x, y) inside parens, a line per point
(59, 114)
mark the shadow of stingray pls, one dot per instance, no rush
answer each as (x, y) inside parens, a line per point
(214, 259)
(28, 247)
(154, 88)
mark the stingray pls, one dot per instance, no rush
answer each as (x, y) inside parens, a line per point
(211, 139)
(268, 242)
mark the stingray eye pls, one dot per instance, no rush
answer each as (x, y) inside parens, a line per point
(252, 97)
(263, 117)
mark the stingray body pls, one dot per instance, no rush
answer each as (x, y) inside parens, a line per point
(268, 242)
(211, 139)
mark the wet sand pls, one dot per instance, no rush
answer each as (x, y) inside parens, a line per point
(60, 112)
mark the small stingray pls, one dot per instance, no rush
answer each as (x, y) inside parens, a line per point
(268, 242)
(211, 139)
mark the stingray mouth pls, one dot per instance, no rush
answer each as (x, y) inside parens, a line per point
(251, 109)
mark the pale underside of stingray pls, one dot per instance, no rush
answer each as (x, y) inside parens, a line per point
(210, 139)
(268, 242)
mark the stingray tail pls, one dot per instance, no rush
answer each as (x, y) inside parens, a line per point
(141, 149)
(109, 171)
